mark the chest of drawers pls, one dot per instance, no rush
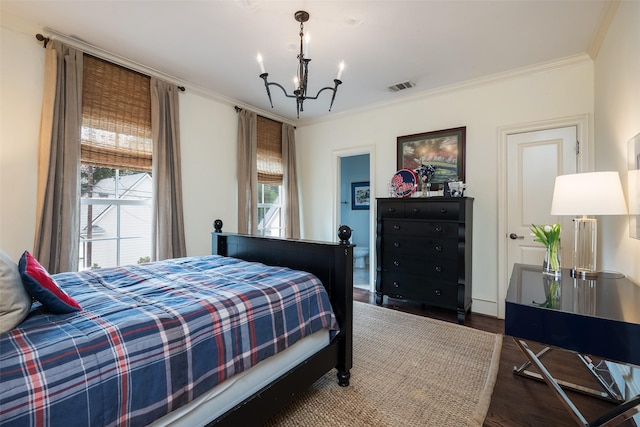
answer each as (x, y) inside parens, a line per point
(423, 248)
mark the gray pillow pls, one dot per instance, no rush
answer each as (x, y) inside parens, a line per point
(15, 303)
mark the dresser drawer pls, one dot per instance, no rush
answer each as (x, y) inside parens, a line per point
(398, 245)
(392, 227)
(390, 209)
(432, 268)
(411, 287)
(432, 210)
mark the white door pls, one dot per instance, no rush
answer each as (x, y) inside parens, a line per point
(534, 159)
(531, 156)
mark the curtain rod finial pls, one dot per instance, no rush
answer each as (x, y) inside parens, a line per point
(43, 39)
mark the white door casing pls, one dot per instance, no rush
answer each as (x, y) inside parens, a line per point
(337, 155)
(532, 157)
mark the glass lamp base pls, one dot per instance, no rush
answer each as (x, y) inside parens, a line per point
(582, 274)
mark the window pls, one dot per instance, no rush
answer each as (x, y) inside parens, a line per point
(115, 173)
(270, 210)
(269, 165)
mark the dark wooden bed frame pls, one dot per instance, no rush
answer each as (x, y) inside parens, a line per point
(332, 263)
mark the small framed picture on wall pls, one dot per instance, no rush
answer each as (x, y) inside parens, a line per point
(360, 195)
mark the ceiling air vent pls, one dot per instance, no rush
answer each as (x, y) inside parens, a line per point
(401, 86)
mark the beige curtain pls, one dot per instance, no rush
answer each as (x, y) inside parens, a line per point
(168, 222)
(247, 172)
(58, 193)
(290, 183)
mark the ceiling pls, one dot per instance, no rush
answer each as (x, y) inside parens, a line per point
(211, 46)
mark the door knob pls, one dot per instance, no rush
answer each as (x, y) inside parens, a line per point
(514, 236)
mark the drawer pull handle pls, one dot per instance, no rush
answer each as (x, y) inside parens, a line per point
(396, 244)
(396, 227)
(396, 284)
(438, 292)
(438, 248)
(443, 210)
(396, 263)
(416, 210)
(438, 269)
(438, 229)
(392, 209)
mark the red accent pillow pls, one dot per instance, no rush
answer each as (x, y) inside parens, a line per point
(41, 286)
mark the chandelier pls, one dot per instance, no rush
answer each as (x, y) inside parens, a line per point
(301, 79)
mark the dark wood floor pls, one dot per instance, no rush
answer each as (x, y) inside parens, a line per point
(518, 401)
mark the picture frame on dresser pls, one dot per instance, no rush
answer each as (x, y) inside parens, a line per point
(443, 149)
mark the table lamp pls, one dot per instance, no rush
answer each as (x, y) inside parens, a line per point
(583, 194)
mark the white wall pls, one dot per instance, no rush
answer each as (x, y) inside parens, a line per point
(208, 144)
(617, 113)
(482, 108)
(208, 137)
(21, 83)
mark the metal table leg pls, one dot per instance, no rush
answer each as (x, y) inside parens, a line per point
(552, 383)
(610, 395)
(624, 411)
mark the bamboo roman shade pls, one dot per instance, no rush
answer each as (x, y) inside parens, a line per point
(269, 151)
(116, 116)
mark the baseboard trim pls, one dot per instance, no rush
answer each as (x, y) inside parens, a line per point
(489, 308)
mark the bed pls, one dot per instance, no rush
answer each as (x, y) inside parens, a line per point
(155, 344)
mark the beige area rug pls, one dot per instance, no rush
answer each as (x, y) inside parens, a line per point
(408, 371)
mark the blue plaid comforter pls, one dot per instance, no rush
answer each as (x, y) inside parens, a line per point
(151, 338)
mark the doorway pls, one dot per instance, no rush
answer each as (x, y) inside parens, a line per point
(531, 157)
(354, 185)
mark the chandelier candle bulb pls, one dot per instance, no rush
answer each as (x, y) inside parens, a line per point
(340, 70)
(261, 64)
(307, 39)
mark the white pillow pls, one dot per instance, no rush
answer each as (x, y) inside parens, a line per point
(15, 303)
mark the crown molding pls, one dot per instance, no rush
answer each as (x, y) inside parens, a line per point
(542, 67)
(608, 12)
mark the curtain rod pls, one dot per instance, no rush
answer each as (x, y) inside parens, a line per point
(238, 109)
(108, 57)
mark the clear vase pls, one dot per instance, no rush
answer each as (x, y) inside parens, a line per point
(552, 292)
(551, 264)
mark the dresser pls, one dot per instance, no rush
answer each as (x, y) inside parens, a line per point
(423, 248)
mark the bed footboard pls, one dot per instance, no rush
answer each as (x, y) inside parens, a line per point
(332, 263)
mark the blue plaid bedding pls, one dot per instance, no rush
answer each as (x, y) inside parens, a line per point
(151, 338)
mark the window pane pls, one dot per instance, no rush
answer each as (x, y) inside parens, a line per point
(116, 232)
(134, 251)
(99, 254)
(260, 193)
(270, 210)
(135, 221)
(271, 193)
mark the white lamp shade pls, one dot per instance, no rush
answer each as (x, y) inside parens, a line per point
(593, 193)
